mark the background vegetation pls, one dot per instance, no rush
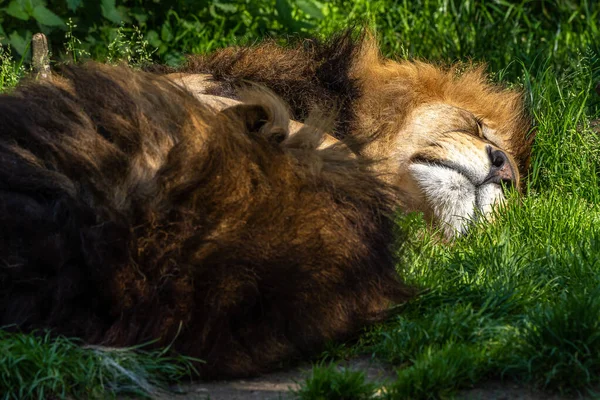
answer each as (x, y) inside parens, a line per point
(171, 28)
(518, 299)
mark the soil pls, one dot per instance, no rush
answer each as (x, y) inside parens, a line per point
(274, 386)
(277, 386)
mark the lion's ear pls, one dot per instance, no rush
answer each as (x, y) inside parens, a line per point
(258, 120)
(253, 116)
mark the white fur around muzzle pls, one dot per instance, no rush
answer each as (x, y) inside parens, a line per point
(454, 199)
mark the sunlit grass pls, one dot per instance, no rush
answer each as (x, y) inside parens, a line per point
(328, 381)
(10, 70)
(39, 366)
(515, 299)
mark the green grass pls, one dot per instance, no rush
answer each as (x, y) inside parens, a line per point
(10, 71)
(328, 381)
(518, 299)
(37, 366)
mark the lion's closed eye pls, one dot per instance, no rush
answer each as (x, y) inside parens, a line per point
(480, 127)
(483, 131)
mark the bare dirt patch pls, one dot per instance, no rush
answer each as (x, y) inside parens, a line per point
(274, 386)
(277, 386)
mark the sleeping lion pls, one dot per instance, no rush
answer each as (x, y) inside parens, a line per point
(133, 212)
(205, 219)
(448, 140)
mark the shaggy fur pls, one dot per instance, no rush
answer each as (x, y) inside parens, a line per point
(374, 96)
(131, 212)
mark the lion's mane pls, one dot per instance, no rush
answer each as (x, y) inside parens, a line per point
(131, 212)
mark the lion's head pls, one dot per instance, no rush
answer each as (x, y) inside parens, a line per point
(450, 141)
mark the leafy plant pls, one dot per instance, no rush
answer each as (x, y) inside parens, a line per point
(172, 28)
(10, 71)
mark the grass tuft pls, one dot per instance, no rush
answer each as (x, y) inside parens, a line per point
(10, 71)
(39, 366)
(437, 372)
(330, 382)
(558, 346)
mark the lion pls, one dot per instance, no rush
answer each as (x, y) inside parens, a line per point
(447, 139)
(134, 213)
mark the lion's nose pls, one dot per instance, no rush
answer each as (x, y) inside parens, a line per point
(501, 171)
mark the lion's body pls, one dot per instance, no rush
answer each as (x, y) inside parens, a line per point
(132, 212)
(427, 127)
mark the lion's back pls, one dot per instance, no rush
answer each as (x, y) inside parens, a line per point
(135, 213)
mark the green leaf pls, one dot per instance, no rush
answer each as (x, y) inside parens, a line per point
(110, 12)
(18, 42)
(73, 4)
(153, 39)
(284, 12)
(299, 25)
(165, 32)
(227, 7)
(311, 8)
(14, 9)
(47, 17)
(31, 4)
(140, 17)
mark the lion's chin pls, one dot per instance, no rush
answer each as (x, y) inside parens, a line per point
(454, 200)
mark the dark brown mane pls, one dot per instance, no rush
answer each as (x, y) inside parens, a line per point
(132, 212)
(309, 74)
